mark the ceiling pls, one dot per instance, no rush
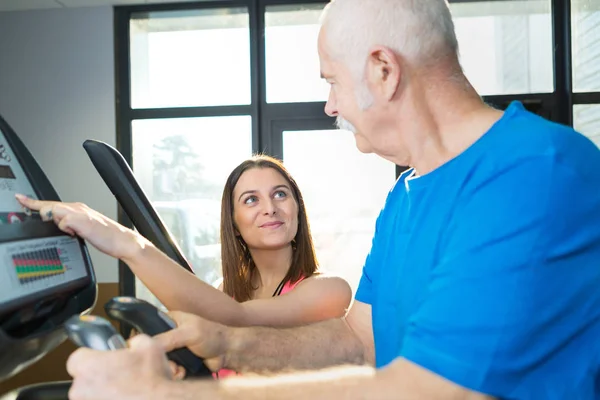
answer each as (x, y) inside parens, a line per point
(21, 5)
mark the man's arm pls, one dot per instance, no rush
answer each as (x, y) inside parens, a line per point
(401, 380)
(260, 349)
(102, 375)
(333, 342)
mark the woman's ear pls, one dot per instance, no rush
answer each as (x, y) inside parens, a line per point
(236, 232)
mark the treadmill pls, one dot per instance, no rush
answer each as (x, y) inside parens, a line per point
(47, 282)
(46, 276)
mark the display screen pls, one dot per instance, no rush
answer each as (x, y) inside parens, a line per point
(35, 265)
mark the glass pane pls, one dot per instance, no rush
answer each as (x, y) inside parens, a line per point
(586, 119)
(585, 28)
(292, 61)
(190, 58)
(506, 46)
(182, 165)
(343, 197)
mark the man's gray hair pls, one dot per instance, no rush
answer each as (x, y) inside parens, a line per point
(421, 31)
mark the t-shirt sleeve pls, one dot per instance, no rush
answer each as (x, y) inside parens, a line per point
(364, 293)
(516, 284)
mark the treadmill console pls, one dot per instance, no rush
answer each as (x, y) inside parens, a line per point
(46, 276)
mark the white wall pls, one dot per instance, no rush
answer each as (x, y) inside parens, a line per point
(56, 90)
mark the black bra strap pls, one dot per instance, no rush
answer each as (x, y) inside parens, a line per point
(277, 291)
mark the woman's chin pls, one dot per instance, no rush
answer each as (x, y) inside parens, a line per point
(272, 246)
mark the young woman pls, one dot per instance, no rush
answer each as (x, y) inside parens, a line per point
(269, 266)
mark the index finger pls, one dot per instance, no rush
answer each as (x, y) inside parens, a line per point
(33, 204)
(171, 340)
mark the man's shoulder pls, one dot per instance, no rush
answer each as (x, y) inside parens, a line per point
(528, 136)
(525, 143)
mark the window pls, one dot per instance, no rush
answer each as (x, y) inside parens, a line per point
(182, 165)
(585, 21)
(343, 195)
(211, 82)
(292, 62)
(505, 46)
(586, 119)
(191, 58)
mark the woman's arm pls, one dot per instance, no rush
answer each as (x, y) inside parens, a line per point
(179, 289)
(315, 299)
(312, 300)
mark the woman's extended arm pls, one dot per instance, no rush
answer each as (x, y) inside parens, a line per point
(314, 299)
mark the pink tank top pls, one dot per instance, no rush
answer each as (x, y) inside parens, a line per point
(224, 373)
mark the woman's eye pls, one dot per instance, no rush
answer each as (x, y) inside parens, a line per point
(280, 194)
(250, 200)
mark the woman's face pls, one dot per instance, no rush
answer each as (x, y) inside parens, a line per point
(265, 212)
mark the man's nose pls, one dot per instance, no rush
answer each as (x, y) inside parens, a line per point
(331, 106)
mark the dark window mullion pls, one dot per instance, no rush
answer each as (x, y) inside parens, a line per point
(257, 74)
(266, 3)
(561, 40)
(123, 132)
(190, 112)
(586, 98)
(295, 110)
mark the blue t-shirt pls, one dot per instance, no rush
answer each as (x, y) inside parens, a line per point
(486, 271)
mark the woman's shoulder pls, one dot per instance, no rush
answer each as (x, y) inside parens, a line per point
(325, 276)
(323, 279)
(328, 293)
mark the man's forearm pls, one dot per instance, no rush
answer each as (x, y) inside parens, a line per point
(335, 383)
(320, 345)
(401, 380)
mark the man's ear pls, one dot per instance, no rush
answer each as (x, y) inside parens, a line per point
(383, 72)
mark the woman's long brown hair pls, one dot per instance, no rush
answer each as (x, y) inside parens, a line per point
(237, 264)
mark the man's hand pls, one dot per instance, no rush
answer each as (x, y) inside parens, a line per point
(135, 373)
(177, 371)
(204, 338)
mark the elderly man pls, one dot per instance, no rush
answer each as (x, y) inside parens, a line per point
(484, 275)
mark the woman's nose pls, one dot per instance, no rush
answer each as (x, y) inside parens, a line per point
(270, 208)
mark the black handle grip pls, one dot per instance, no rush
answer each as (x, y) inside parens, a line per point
(147, 319)
(93, 332)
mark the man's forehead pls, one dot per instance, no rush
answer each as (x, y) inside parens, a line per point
(324, 59)
(322, 41)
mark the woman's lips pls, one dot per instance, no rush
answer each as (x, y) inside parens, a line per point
(274, 224)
